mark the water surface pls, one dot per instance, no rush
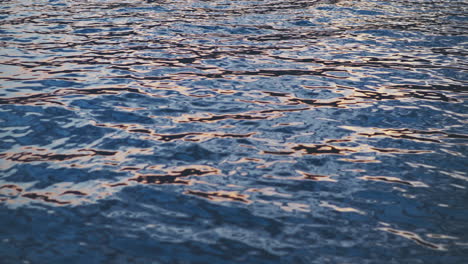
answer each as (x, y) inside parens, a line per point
(233, 131)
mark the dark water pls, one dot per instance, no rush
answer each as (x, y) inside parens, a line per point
(233, 131)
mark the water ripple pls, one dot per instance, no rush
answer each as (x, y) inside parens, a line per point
(309, 131)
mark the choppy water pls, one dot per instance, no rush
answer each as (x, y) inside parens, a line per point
(233, 131)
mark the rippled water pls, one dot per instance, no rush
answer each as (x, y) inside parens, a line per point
(233, 131)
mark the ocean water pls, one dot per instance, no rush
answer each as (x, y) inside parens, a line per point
(294, 131)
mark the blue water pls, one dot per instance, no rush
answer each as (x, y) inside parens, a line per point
(172, 131)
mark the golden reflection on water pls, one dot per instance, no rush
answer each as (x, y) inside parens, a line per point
(221, 196)
(341, 209)
(414, 237)
(394, 180)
